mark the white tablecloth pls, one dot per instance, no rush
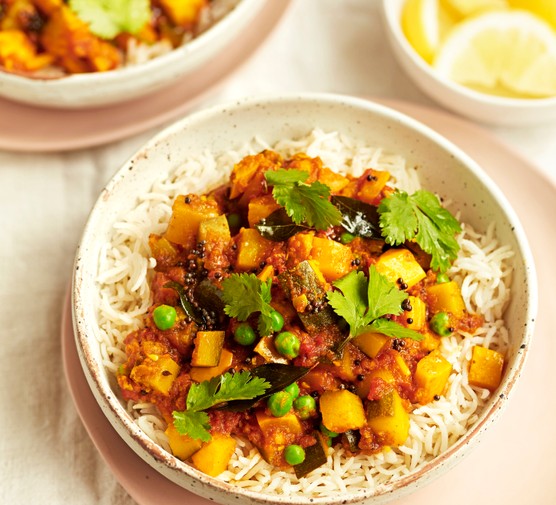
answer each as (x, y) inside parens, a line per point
(45, 453)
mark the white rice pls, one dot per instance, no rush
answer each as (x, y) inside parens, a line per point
(483, 269)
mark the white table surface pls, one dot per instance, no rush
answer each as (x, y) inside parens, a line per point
(45, 453)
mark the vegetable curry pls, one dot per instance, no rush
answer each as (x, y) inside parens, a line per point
(80, 36)
(301, 310)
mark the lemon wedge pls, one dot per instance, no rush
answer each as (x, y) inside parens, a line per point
(467, 8)
(546, 9)
(420, 26)
(509, 53)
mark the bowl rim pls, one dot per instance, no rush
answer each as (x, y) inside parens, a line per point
(198, 43)
(393, 25)
(162, 460)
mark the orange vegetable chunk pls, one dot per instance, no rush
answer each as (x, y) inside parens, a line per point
(485, 369)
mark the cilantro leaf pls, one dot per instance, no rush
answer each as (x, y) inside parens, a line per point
(395, 330)
(304, 203)
(193, 424)
(363, 302)
(108, 18)
(422, 218)
(245, 294)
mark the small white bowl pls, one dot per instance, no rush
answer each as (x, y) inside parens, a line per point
(443, 168)
(96, 89)
(481, 107)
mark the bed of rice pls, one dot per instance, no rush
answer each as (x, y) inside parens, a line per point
(483, 269)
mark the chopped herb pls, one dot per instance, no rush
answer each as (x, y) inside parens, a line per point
(364, 302)
(245, 294)
(305, 203)
(193, 422)
(420, 217)
(108, 18)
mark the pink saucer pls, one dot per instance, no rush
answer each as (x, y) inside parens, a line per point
(514, 464)
(27, 128)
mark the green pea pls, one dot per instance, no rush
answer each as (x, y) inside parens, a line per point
(442, 278)
(346, 238)
(164, 316)
(287, 344)
(293, 390)
(440, 324)
(306, 406)
(294, 454)
(244, 334)
(329, 433)
(280, 403)
(276, 320)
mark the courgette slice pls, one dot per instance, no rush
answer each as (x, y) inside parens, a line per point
(315, 456)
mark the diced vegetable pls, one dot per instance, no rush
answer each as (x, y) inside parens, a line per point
(188, 211)
(418, 313)
(485, 369)
(208, 348)
(334, 259)
(266, 348)
(371, 342)
(398, 264)
(402, 365)
(300, 245)
(431, 377)
(259, 208)
(341, 411)
(277, 433)
(213, 457)
(372, 182)
(183, 12)
(18, 53)
(200, 374)
(156, 372)
(336, 182)
(182, 446)
(252, 249)
(446, 297)
(388, 419)
(214, 230)
(363, 387)
(315, 456)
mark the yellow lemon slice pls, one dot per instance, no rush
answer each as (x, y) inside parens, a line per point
(420, 26)
(511, 53)
(545, 9)
(466, 8)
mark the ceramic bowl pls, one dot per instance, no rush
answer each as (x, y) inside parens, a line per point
(443, 168)
(481, 107)
(97, 89)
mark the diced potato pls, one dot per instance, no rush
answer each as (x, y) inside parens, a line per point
(200, 374)
(371, 342)
(388, 419)
(183, 12)
(188, 211)
(19, 54)
(342, 411)
(156, 372)
(248, 173)
(162, 249)
(182, 446)
(431, 377)
(266, 273)
(299, 247)
(347, 364)
(418, 313)
(260, 207)
(277, 433)
(336, 182)
(213, 457)
(252, 249)
(372, 183)
(402, 365)
(430, 341)
(397, 264)
(214, 230)
(485, 369)
(334, 259)
(208, 348)
(446, 297)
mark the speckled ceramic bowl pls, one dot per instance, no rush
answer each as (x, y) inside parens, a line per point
(481, 107)
(97, 89)
(443, 168)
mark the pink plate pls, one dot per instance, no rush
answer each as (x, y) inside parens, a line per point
(27, 128)
(514, 464)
